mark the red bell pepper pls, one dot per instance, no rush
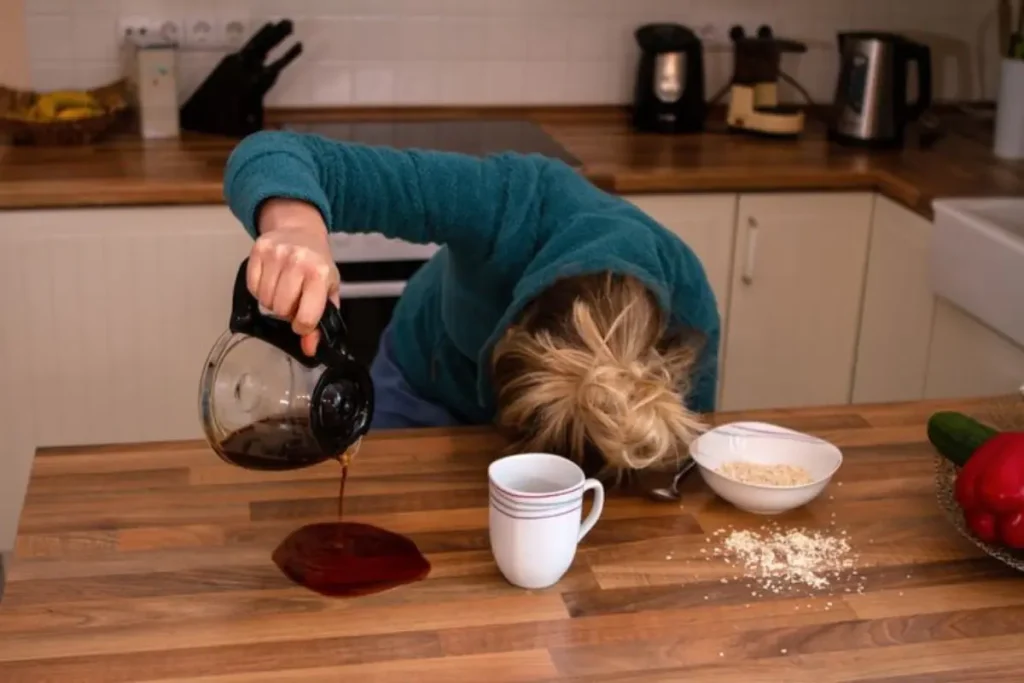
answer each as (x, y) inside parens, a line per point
(990, 490)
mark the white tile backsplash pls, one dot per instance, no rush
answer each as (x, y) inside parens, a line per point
(328, 83)
(51, 38)
(39, 7)
(430, 52)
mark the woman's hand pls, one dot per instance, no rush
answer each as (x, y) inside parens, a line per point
(291, 271)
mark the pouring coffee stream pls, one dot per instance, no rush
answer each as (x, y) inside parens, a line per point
(266, 406)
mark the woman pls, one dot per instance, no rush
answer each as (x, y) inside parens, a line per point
(562, 314)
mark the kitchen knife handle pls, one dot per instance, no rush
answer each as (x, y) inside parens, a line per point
(268, 77)
(265, 40)
(277, 66)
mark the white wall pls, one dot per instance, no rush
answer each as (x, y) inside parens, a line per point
(401, 52)
(14, 72)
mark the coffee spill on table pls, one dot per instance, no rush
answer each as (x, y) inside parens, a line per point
(349, 559)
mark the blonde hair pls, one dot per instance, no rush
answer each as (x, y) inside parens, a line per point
(589, 371)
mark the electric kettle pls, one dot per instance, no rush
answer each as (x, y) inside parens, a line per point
(266, 405)
(871, 107)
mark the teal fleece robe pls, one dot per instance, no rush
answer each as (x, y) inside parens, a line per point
(508, 225)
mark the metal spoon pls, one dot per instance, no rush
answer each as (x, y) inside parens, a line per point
(670, 494)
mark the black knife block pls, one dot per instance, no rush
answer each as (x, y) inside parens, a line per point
(230, 101)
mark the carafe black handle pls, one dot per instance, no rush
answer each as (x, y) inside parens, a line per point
(247, 319)
(922, 56)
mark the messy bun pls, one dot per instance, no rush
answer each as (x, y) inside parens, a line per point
(589, 372)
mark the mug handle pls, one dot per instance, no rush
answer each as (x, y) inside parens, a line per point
(595, 510)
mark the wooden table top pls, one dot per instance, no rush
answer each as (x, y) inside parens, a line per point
(129, 171)
(153, 563)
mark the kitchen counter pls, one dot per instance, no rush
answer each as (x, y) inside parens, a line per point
(152, 563)
(127, 171)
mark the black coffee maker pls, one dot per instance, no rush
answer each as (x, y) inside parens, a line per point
(669, 96)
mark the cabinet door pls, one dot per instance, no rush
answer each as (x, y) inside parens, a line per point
(794, 309)
(896, 323)
(707, 223)
(17, 446)
(968, 358)
(116, 310)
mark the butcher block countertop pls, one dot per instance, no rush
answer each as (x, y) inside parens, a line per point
(152, 563)
(127, 171)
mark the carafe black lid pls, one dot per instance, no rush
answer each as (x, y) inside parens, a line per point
(665, 38)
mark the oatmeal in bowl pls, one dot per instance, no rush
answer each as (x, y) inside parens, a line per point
(764, 468)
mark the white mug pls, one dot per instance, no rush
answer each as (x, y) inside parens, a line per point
(536, 506)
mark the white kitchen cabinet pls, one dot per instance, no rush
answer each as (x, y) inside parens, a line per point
(17, 446)
(794, 309)
(109, 316)
(707, 223)
(896, 322)
(967, 358)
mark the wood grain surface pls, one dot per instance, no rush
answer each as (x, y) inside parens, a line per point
(152, 563)
(129, 171)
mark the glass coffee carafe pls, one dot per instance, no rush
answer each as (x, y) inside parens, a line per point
(266, 405)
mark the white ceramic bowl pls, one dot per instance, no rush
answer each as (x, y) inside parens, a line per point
(764, 444)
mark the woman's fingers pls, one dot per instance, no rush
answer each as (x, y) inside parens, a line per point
(333, 292)
(292, 276)
(311, 305)
(289, 289)
(253, 272)
(273, 265)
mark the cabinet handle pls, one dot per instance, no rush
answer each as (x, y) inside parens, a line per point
(751, 256)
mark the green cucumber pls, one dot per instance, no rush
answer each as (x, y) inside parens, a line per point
(956, 436)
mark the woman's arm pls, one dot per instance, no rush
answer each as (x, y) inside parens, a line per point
(417, 196)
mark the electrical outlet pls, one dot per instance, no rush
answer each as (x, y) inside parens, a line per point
(714, 33)
(202, 32)
(235, 31)
(715, 36)
(137, 28)
(171, 30)
(148, 29)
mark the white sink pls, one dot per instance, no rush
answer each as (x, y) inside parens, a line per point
(978, 260)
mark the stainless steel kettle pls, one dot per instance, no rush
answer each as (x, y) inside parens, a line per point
(871, 107)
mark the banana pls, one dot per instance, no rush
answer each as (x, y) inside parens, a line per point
(76, 113)
(73, 98)
(45, 108)
(64, 104)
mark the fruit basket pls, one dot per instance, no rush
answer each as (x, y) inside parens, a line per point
(63, 117)
(945, 481)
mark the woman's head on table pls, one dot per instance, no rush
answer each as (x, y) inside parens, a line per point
(591, 371)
